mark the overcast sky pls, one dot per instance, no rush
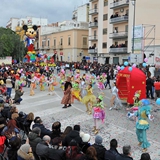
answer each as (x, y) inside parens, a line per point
(54, 10)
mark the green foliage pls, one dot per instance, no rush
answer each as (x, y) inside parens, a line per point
(10, 44)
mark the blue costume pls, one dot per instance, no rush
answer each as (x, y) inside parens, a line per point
(142, 124)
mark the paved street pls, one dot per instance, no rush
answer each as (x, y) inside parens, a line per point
(116, 125)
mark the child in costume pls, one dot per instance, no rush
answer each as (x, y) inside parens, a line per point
(83, 86)
(42, 83)
(101, 84)
(50, 87)
(76, 91)
(142, 125)
(89, 99)
(115, 98)
(33, 85)
(62, 77)
(99, 114)
(133, 110)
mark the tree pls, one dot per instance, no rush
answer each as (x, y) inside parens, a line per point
(10, 44)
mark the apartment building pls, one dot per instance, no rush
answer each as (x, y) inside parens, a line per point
(81, 14)
(111, 28)
(69, 41)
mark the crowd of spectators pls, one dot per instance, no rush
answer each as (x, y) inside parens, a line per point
(118, 46)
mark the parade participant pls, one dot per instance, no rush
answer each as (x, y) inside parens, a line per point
(17, 78)
(62, 77)
(99, 114)
(77, 76)
(76, 91)
(51, 87)
(115, 98)
(101, 84)
(83, 86)
(32, 85)
(67, 93)
(41, 83)
(133, 110)
(142, 125)
(89, 99)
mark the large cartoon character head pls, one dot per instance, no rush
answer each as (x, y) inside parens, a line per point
(30, 31)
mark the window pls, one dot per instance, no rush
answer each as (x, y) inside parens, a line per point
(105, 17)
(126, 28)
(69, 41)
(61, 42)
(127, 12)
(104, 45)
(84, 40)
(126, 43)
(104, 31)
(43, 43)
(95, 33)
(95, 6)
(105, 2)
(54, 42)
(48, 43)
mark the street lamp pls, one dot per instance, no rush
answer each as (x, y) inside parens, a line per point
(134, 14)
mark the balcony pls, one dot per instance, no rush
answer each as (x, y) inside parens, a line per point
(74, 17)
(84, 46)
(53, 47)
(93, 24)
(93, 51)
(46, 47)
(119, 19)
(119, 4)
(118, 50)
(60, 47)
(93, 11)
(93, 38)
(118, 35)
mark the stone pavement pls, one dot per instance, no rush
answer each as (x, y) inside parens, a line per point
(116, 125)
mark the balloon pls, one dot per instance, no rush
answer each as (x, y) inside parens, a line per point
(126, 63)
(146, 60)
(134, 65)
(158, 101)
(130, 68)
(122, 67)
(118, 67)
(144, 64)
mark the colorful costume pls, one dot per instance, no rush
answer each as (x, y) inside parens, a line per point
(142, 125)
(62, 81)
(51, 87)
(101, 84)
(89, 98)
(76, 91)
(83, 86)
(99, 114)
(42, 83)
(133, 110)
(33, 85)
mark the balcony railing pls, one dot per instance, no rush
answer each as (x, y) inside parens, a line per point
(84, 46)
(93, 0)
(60, 47)
(93, 51)
(46, 47)
(93, 11)
(119, 19)
(53, 47)
(118, 50)
(93, 24)
(93, 38)
(119, 4)
(118, 35)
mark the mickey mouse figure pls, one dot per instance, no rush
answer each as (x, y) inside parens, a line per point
(30, 32)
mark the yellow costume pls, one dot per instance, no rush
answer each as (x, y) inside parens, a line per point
(89, 98)
(51, 87)
(33, 86)
(41, 83)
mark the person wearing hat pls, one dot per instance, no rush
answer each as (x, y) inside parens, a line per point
(142, 124)
(76, 91)
(99, 114)
(9, 86)
(25, 153)
(89, 99)
(32, 85)
(132, 111)
(100, 149)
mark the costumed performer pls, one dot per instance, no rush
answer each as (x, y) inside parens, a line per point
(17, 78)
(101, 84)
(142, 124)
(42, 83)
(83, 87)
(89, 99)
(33, 85)
(66, 100)
(98, 114)
(115, 100)
(50, 87)
(62, 77)
(77, 76)
(133, 110)
(76, 91)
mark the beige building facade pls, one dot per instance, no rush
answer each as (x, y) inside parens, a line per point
(69, 42)
(111, 27)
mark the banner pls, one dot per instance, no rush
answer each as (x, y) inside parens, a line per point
(5, 60)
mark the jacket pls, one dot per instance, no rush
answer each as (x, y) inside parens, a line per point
(123, 157)
(100, 151)
(44, 131)
(72, 135)
(111, 154)
(18, 95)
(24, 156)
(34, 139)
